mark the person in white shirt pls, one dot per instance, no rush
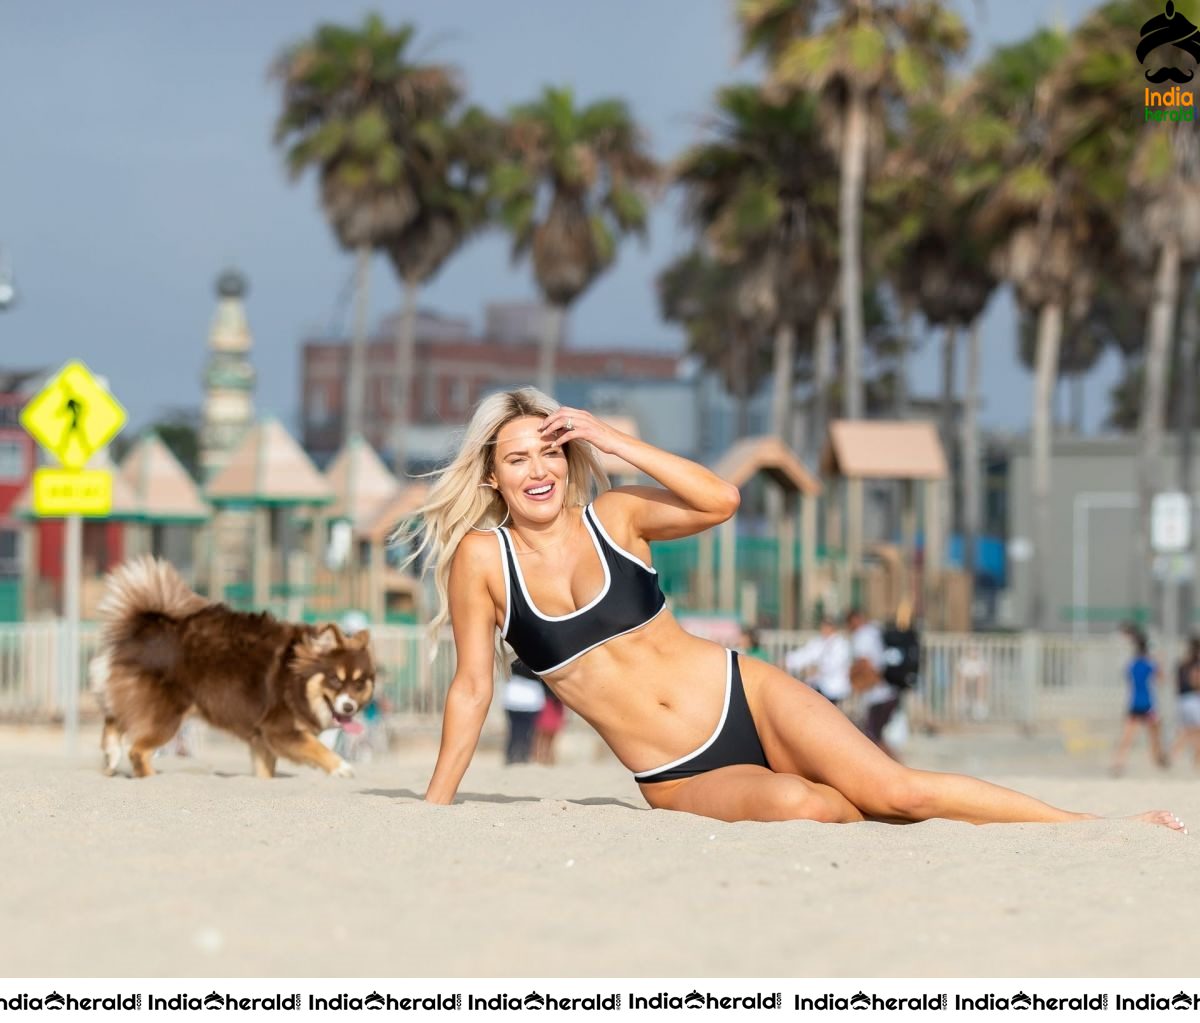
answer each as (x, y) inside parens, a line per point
(881, 699)
(824, 662)
(524, 697)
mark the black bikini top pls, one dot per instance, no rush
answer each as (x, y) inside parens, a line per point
(629, 598)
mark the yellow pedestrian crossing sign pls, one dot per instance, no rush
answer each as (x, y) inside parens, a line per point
(73, 416)
(59, 492)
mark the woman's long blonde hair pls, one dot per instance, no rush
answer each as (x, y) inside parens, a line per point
(458, 503)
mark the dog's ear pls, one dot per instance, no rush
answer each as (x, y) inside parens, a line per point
(328, 637)
(359, 640)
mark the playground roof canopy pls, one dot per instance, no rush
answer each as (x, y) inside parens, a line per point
(389, 515)
(269, 467)
(768, 454)
(161, 487)
(373, 483)
(883, 450)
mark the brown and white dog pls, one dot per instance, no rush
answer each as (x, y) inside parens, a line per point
(166, 651)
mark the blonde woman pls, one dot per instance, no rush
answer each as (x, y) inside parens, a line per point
(518, 552)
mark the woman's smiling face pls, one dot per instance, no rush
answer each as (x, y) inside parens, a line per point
(530, 470)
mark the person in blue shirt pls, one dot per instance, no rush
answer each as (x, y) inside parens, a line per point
(1141, 674)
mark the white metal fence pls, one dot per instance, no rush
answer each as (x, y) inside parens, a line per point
(1019, 679)
(32, 655)
(1023, 679)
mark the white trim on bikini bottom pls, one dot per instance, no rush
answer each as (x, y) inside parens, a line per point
(641, 775)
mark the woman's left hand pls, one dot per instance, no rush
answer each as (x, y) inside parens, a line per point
(575, 424)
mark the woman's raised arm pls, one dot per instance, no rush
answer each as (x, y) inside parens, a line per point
(473, 617)
(694, 498)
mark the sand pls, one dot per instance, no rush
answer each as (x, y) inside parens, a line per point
(205, 871)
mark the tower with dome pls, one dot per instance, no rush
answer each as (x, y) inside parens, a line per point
(228, 378)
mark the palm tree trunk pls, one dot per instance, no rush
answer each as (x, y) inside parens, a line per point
(971, 467)
(1189, 336)
(552, 326)
(850, 200)
(402, 398)
(741, 362)
(949, 434)
(1159, 335)
(1050, 327)
(906, 346)
(1077, 403)
(784, 373)
(822, 379)
(356, 376)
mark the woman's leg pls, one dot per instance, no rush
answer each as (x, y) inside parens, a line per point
(747, 792)
(803, 735)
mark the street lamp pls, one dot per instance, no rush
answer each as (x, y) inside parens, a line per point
(8, 292)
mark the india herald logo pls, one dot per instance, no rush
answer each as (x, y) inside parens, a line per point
(1169, 29)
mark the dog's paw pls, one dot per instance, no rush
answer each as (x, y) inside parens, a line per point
(343, 770)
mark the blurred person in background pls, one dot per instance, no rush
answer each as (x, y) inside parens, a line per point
(1188, 707)
(971, 678)
(1141, 674)
(880, 698)
(824, 662)
(524, 698)
(751, 643)
(549, 723)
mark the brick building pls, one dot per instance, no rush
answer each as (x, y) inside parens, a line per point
(452, 370)
(18, 459)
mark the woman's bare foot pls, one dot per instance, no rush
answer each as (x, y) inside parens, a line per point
(1162, 817)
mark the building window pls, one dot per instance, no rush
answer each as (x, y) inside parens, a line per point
(318, 407)
(429, 405)
(459, 395)
(10, 553)
(12, 461)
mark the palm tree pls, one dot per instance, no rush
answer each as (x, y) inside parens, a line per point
(366, 118)
(938, 262)
(454, 202)
(572, 182)
(1162, 222)
(759, 194)
(1049, 192)
(864, 59)
(708, 300)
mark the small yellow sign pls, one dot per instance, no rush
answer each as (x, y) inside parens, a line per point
(72, 492)
(73, 417)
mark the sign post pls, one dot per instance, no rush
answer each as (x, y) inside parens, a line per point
(72, 418)
(1171, 540)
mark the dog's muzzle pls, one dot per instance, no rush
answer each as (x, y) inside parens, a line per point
(345, 706)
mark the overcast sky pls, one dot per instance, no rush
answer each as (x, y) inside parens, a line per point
(136, 162)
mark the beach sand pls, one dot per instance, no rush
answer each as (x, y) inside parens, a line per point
(205, 871)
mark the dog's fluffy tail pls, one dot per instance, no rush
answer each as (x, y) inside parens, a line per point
(141, 597)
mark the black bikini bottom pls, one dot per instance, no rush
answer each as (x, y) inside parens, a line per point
(735, 740)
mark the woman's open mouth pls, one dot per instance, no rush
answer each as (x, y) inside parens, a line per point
(540, 493)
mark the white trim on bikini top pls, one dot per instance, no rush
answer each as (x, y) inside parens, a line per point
(616, 546)
(716, 731)
(525, 590)
(504, 572)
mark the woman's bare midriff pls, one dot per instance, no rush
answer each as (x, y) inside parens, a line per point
(654, 695)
